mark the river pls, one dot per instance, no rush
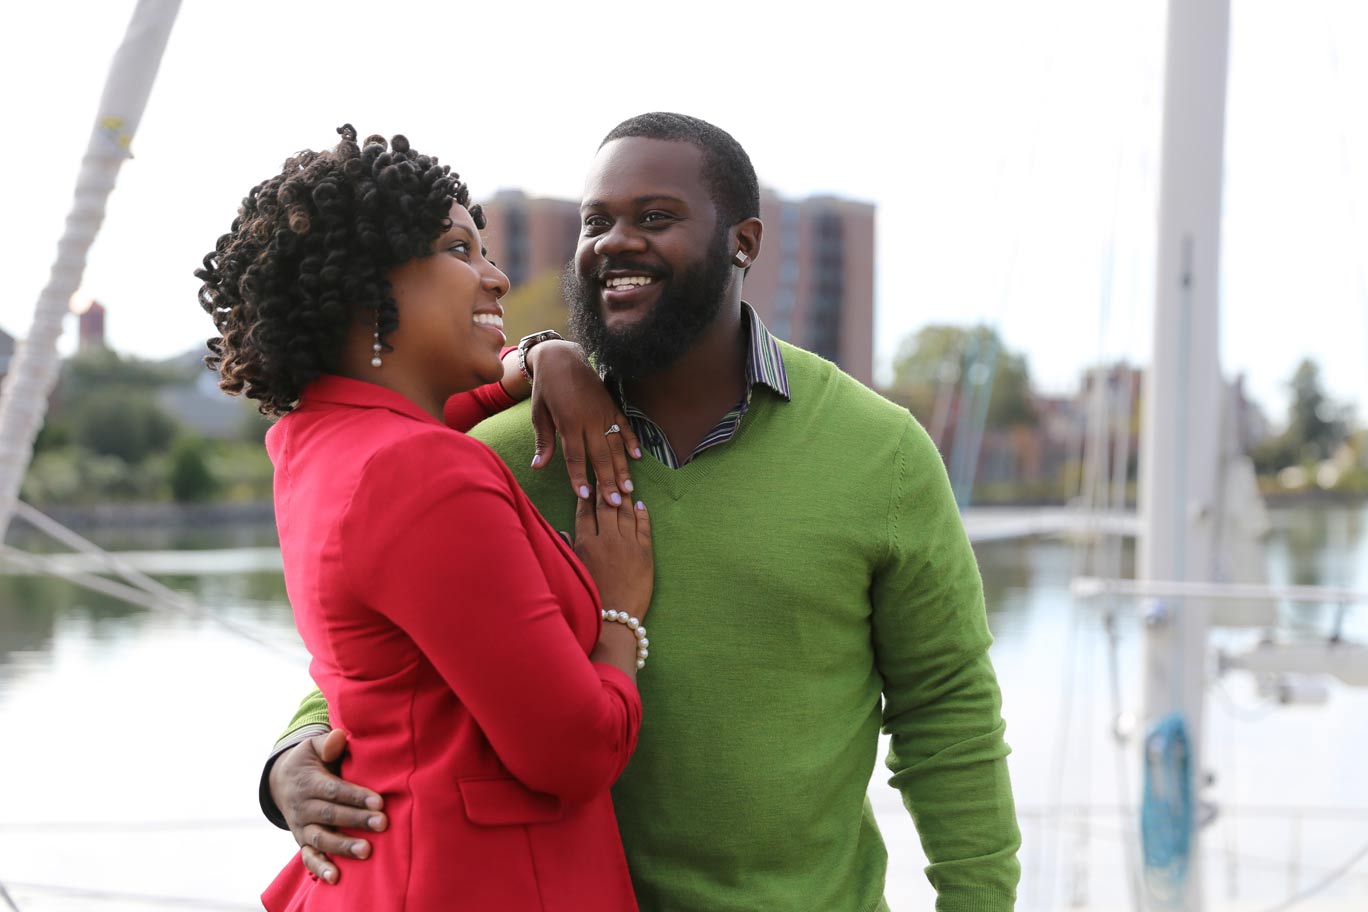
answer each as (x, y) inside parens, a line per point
(131, 740)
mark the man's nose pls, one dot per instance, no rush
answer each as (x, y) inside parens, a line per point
(620, 238)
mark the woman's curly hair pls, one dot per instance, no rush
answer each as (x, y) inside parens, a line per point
(309, 251)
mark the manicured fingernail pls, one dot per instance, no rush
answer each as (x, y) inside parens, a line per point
(641, 506)
(328, 875)
(584, 491)
(615, 499)
(376, 822)
(360, 849)
(637, 453)
(535, 460)
(627, 486)
(373, 802)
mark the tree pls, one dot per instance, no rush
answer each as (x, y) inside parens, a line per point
(936, 361)
(191, 479)
(1316, 425)
(121, 422)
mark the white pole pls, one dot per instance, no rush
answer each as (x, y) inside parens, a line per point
(33, 372)
(1178, 480)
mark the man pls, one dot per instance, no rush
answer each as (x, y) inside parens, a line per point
(809, 562)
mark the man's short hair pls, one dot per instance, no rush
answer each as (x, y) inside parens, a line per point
(726, 166)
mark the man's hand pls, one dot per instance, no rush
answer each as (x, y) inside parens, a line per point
(315, 803)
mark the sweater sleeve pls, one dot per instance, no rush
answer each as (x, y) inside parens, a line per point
(942, 707)
(449, 561)
(311, 718)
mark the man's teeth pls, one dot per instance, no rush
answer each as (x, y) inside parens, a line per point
(625, 281)
(493, 320)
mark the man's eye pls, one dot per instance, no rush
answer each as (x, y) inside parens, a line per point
(595, 221)
(655, 217)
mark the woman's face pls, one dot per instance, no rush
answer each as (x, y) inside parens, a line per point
(450, 319)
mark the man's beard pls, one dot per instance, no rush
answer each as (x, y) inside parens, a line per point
(686, 307)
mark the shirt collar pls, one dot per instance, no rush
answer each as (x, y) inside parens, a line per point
(764, 360)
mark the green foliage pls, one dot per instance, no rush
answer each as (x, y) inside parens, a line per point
(190, 477)
(1316, 425)
(935, 361)
(122, 422)
(107, 439)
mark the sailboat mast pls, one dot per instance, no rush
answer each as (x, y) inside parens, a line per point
(1179, 464)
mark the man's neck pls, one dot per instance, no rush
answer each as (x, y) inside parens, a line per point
(690, 396)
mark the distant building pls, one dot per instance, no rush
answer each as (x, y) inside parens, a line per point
(813, 284)
(530, 236)
(91, 327)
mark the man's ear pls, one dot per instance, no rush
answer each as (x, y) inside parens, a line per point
(748, 235)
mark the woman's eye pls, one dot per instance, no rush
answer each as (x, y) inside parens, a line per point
(460, 247)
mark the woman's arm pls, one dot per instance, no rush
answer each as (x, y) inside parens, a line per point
(450, 562)
(569, 400)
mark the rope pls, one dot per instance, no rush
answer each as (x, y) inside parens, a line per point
(136, 588)
(1327, 880)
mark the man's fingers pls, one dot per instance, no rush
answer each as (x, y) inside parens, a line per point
(336, 815)
(331, 842)
(318, 865)
(331, 746)
(322, 785)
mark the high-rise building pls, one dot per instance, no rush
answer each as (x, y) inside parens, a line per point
(530, 236)
(813, 284)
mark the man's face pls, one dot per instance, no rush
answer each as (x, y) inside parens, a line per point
(652, 265)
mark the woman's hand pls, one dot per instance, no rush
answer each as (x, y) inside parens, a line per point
(569, 399)
(615, 545)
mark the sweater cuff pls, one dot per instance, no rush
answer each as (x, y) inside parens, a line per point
(268, 806)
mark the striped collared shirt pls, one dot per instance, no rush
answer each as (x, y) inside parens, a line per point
(764, 365)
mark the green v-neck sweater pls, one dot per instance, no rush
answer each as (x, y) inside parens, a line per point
(813, 582)
(805, 569)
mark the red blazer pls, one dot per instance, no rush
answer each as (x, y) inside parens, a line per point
(450, 629)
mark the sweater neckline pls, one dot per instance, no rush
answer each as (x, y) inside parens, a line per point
(677, 483)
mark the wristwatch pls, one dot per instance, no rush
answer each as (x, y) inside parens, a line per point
(525, 345)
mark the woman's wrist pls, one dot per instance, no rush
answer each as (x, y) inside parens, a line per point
(513, 382)
(553, 349)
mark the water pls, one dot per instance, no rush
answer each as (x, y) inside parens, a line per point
(131, 739)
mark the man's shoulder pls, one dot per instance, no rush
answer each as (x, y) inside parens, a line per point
(818, 384)
(508, 432)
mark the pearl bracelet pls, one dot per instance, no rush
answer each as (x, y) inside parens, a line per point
(622, 617)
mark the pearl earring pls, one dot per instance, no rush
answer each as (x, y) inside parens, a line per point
(376, 348)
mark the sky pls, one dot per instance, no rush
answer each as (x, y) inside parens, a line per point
(1011, 148)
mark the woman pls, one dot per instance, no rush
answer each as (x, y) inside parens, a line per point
(457, 638)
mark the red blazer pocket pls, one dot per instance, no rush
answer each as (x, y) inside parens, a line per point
(506, 802)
